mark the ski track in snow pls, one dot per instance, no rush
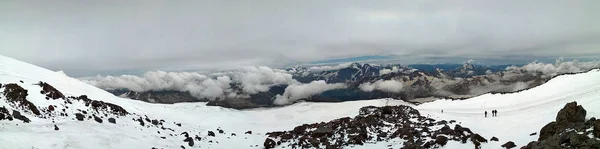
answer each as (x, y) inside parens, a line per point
(520, 114)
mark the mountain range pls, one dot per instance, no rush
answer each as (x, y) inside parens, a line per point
(417, 82)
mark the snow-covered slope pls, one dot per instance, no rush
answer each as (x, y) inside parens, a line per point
(519, 115)
(195, 118)
(523, 113)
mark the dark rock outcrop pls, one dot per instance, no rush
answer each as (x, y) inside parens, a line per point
(509, 145)
(372, 125)
(571, 113)
(56, 128)
(17, 115)
(568, 131)
(494, 139)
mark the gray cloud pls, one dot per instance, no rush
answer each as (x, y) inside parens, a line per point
(92, 37)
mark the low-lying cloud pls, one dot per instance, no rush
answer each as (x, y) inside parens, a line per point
(299, 91)
(560, 67)
(393, 86)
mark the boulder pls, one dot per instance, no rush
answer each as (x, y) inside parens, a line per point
(210, 133)
(322, 131)
(441, 140)
(509, 145)
(56, 128)
(571, 113)
(269, 143)
(17, 115)
(97, 119)
(478, 137)
(112, 120)
(189, 140)
(494, 139)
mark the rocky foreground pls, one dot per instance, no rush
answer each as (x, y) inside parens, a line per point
(405, 124)
(569, 131)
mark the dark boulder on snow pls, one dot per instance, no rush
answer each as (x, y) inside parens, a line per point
(210, 133)
(494, 139)
(509, 145)
(17, 115)
(248, 132)
(112, 120)
(56, 128)
(571, 113)
(269, 143)
(533, 134)
(79, 116)
(97, 119)
(189, 140)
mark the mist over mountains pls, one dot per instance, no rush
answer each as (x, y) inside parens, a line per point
(263, 86)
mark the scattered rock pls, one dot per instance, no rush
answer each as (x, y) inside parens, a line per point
(269, 143)
(190, 141)
(17, 115)
(56, 128)
(509, 145)
(494, 139)
(97, 119)
(112, 120)
(154, 122)
(210, 133)
(478, 138)
(533, 134)
(249, 132)
(79, 116)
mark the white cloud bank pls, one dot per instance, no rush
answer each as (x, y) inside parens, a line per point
(393, 86)
(299, 91)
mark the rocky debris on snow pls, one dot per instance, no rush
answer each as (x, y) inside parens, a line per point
(372, 125)
(50, 91)
(79, 116)
(509, 145)
(4, 114)
(17, 115)
(533, 134)
(97, 119)
(17, 95)
(248, 132)
(269, 143)
(570, 130)
(210, 133)
(494, 139)
(189, 140)
(103, 106)
(56, 128)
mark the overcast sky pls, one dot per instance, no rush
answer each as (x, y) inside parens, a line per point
(115, 37)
